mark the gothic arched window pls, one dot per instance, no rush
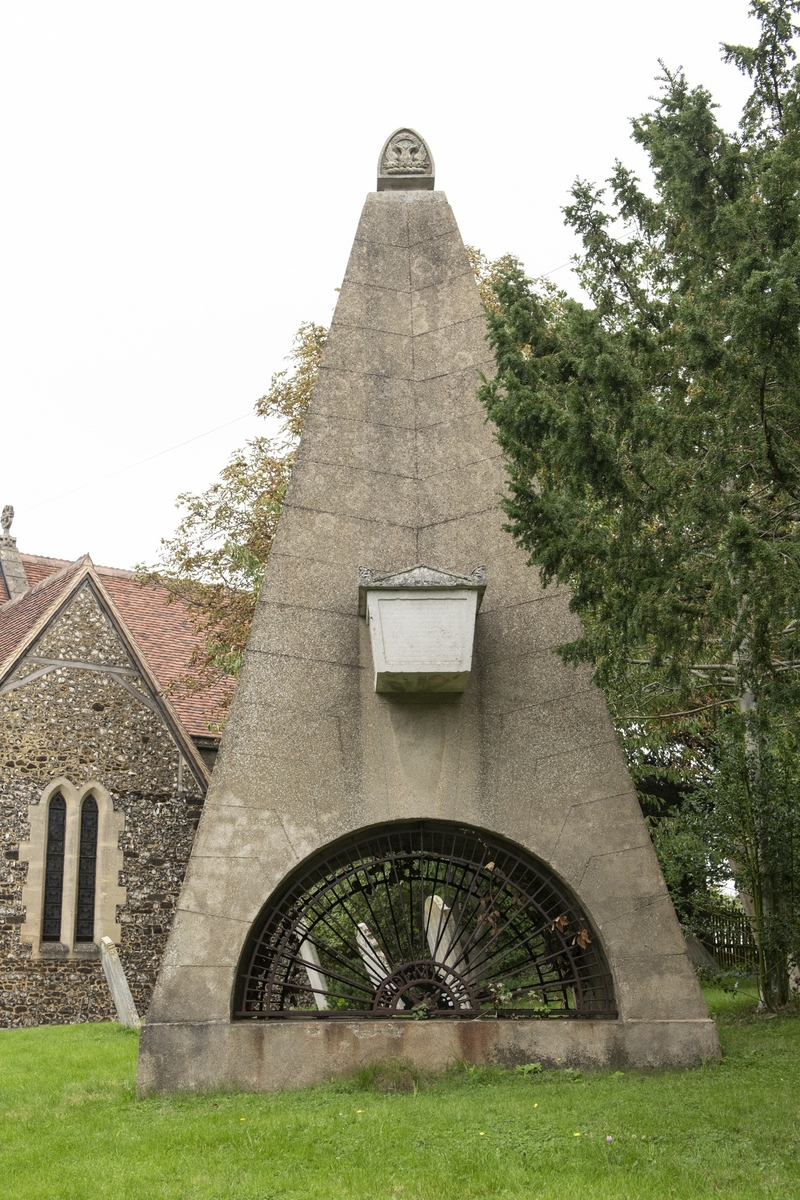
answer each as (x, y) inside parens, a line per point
(72, 895)
(54, 869)
(87, 871)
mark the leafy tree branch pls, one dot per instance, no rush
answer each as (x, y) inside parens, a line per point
(652, 435)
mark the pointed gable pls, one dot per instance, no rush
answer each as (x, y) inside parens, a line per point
(39, 641)
(20, 616)
(161, 626)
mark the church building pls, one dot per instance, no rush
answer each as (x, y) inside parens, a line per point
(104, 766)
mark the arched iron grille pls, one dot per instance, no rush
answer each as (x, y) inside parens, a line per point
(423, 920)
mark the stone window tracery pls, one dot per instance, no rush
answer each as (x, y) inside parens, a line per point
(54, 869)
(78, 829)
(87, 871)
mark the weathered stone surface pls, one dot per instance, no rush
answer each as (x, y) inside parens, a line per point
(271, 1056)
(435, 496)
(308, 633)
(460, 344)
(651, 988)
(451, 398)
(405, 163)
(527, 751)
(87, 726)
(385, 221)
(464, 539)
(371, 399)
(452, 443)
(379, 264)
(353, 491)
(540, 624)
(429, 216)
(339, 538)
(640, 930)
(375, 308)
(444, 304)
(331, 690)
(357, 444)
(519, 681)
(436, 261)
(379, 353)
(11, 565)
(197, 928)
(118, 985)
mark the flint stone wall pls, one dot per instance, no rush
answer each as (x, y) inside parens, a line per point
(83, 725)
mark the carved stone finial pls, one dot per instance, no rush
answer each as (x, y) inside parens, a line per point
(12, 568)
(405, 162)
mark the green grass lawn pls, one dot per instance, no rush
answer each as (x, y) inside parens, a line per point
(72, 1129)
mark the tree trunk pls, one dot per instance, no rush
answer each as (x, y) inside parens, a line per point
(762, 903)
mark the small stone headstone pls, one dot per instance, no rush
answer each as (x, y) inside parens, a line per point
(310, 955)
(699, 955)
(118, 984)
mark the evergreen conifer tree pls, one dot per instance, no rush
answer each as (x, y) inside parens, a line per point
(653, 439)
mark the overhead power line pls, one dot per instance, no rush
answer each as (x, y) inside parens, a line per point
(160, 453)
(140, 462)
(561, 268)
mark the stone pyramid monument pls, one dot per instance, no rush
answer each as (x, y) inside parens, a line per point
(420, 839)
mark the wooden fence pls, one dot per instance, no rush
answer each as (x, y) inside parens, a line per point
(729, 937)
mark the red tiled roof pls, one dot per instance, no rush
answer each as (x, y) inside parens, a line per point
(38, 568)
(18, 616)
(162, 631)
(166, 639)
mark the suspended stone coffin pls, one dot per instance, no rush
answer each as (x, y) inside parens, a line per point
(420, 839)
(421, 626)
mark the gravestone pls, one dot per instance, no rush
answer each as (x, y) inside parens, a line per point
(420, 839)
(118, 984)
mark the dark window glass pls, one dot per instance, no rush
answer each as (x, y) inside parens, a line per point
(54, 869)
(87, 867)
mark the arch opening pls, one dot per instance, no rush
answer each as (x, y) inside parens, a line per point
(425, 919)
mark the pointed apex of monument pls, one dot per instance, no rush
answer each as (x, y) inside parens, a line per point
(405, 162)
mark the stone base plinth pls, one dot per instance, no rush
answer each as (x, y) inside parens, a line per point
(265, 1056)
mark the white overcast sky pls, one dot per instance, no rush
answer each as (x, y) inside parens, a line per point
(182, 182)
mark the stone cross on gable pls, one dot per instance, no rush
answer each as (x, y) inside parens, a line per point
(12, 569)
